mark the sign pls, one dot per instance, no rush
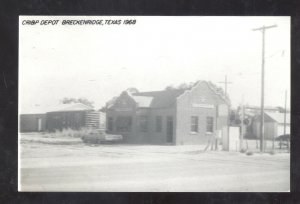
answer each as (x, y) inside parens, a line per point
(198, 105)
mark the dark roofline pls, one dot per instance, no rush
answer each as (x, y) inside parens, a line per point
(176, 92)
(149, 93)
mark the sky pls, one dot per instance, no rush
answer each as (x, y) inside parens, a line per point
(99, 62)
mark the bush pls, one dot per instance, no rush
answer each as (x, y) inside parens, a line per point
(272, 152)
(243, 150)
(68, 132)
(249, 153)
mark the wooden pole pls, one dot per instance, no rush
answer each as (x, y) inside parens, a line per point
(284, 130)
(263, 29)
(242, 125)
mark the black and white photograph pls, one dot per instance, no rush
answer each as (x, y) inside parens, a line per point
(154, 104)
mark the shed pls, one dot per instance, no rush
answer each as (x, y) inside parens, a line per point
(66, 116)
(32, 119)
(273, 126)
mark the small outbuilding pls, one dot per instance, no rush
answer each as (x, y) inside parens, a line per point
(33, 122)
(273, 125)
(66, 116)
(32, 119)
(74, 116)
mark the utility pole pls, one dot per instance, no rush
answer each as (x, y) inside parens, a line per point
(242, 124)
(263, 30)
(225, 83)
(229, 108)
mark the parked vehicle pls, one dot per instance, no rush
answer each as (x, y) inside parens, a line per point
(284, 140)
(284, 137)
(97, 137)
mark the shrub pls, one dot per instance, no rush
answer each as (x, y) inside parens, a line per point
(68, 132)
(249, 153)
(243, 150)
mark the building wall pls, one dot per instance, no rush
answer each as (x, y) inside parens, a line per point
(135, 136)
(95, 120)
(270, 129)
(126, 107)
(63, 120)
(161, 137)
(201, 102)
(102, 122)
(29, 122)
(130, 136)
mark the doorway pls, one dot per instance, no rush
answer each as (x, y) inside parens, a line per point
(39, 124)
(169, 129)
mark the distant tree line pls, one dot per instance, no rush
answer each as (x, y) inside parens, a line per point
(189, 85)
(77, 100)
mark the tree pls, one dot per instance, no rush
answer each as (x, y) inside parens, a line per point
(103, 109)
(132, 90)
(186, 85)
(78, 100)
(170, 87)
(182, 86)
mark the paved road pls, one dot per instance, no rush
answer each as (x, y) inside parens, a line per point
(148, 168)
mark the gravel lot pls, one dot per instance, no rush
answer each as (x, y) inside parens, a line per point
(66, 164)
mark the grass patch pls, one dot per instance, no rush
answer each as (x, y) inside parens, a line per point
(68, 133)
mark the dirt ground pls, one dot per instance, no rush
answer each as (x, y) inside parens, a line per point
(66, 164)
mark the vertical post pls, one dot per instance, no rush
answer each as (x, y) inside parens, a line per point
(226, 85)
(242, 125)
(262, 94)
(216, 132)
(225, 93)
(284, 130)
(262, 147)
(288, 141)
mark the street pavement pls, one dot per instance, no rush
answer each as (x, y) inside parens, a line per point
(148, 168)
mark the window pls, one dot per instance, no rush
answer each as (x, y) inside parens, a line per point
(110, 123)
(123, 123)
(158, 123)
(143, 123)
(209, 124)
(194, 124)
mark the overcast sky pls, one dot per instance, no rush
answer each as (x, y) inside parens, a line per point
(99, 62)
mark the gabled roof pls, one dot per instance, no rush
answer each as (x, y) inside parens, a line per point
(278, 117)
(71, 107)
(58, 108)
(220, 96)
(165, 98)
(158, 99)
(143, 101)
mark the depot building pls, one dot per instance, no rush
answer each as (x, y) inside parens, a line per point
(172, 116)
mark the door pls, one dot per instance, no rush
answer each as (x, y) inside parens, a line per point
(39, 124)
(169, 129)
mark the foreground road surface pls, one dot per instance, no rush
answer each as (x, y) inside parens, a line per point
(79, 167)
